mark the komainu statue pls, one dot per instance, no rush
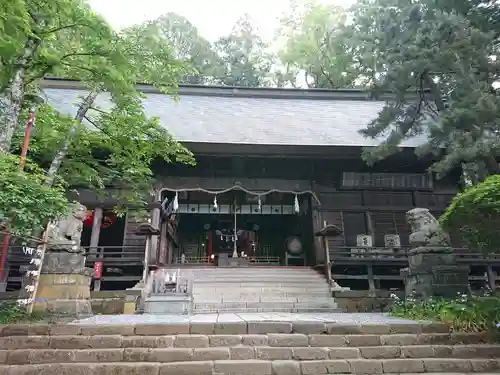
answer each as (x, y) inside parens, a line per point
(426, 230)
(67, 233)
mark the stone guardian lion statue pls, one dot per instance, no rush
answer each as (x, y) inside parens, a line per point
(425, 229)
(66, 234)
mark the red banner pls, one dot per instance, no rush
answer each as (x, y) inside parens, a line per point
(98, 270)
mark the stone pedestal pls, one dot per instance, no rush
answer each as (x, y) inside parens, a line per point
(434, 272)
(64, 285)
(169, 303)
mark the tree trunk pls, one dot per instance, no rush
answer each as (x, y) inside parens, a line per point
(61, 154)
(11, 101)
(492, 165)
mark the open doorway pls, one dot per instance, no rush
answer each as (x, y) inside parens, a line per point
(260, 237)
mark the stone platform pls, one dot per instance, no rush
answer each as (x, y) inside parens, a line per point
(288, 318)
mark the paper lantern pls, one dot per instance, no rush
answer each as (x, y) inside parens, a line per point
(108, 219)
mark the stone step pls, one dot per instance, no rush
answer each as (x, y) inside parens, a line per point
(264, 367)
(278, 282)
(267, 305)
(276, 309)
(266, 298)
(259, 284)
(251, 351)
(233, 325)
(249, 289)
(154, 336)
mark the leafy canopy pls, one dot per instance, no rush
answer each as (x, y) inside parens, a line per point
(25, 202)
(475, 215)
(101, 147)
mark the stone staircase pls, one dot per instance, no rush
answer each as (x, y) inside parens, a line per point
(244, 348)
(259, 289)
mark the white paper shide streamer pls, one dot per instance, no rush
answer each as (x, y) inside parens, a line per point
(296, 206)
(33, 274)
(175, 205)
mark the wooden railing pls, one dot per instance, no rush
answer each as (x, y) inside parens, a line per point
(265, 260)
(115, 255)
(376, 255)
(370, 258)
(260, 260)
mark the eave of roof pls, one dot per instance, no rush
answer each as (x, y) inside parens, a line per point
(260, 116)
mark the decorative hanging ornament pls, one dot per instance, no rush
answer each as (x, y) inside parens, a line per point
(175, 205)
(260, 204)
(296, 205)
(215, 202)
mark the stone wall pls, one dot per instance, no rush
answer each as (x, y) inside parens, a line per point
(352, 301)
(107, 302)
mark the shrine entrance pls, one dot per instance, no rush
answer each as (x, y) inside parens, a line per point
(258, 229)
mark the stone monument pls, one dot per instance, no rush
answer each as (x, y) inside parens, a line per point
(433, 270)
(64, 284)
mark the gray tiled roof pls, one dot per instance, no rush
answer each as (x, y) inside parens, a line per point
(250, 120)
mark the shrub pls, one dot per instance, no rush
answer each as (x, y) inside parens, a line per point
(11, 312)
(475, 215)
(465, 314)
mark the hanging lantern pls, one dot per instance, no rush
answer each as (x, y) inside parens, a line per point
(108, 219)
(89, 218)
(296, 206)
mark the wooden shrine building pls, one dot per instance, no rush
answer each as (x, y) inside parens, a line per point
(274, 165)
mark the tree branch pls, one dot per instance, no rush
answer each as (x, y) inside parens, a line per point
(54, 30)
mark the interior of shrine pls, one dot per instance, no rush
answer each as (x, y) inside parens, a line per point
(264, 226)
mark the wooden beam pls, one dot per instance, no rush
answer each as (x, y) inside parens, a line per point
(94, 239)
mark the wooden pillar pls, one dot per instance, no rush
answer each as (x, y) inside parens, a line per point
(492, 279)
(153, 243)
(94, 240)
(163, 256)
(371, 279)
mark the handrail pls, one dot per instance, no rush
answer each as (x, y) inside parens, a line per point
(354, 254)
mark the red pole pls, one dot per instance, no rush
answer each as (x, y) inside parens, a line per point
(22, 163)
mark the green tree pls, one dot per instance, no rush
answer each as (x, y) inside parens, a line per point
(316, 42)
(28, 27)
(25, 202)
(243, 56)
(438, 65)
(70, 41)
(186, 44)
(475, 215)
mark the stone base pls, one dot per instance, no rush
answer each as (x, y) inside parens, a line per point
(433, 272)
(64, 262)
(64, 307)
(446, 281)
(64, 285)
(168, 304)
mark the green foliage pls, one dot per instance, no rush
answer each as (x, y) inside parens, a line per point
(438, 64)
(464, 314)
(316, 42)
(243, 61)
(121, 143)
(11, 312)
(25, 202)
(181, 38)
(475, 215)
